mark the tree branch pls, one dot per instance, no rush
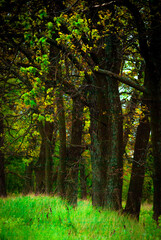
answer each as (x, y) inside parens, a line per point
(125, 80)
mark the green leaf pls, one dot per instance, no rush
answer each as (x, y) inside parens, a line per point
(42, 40)
(32, 103)
(50, 25)
(41, 118)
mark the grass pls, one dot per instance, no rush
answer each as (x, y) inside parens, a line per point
(44, 217)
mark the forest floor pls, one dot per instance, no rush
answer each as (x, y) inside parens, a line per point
(44, 217)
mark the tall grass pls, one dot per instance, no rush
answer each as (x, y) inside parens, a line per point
(46, 218)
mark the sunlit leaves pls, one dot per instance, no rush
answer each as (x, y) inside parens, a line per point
(42, 13)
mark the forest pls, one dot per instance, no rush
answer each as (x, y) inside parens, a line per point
(80, 102)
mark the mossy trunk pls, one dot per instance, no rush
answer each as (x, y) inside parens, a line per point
(107, 130)
(115, 160)
(99, 132)
(74, 152)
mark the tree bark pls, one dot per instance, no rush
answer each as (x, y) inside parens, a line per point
(138, 168)
(107, 130)
(99, 142)
(63, 151)
(29, 184)
(155, 90)
(115, 164)
(74, 152)
(83, 181)
(40, 170)
(3, 192)
(43, 169)
(150, 48)
(130, 111)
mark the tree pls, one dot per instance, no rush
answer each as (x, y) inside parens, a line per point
(149, 35)
(63, 147)
(42, 41)
(3, 192)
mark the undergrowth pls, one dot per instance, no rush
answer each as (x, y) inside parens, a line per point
(44, 217)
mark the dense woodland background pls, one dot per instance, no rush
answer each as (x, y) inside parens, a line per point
(80, 106)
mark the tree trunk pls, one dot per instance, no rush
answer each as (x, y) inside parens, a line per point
(107, 131)
(99, 141)
(3, 192)
(134, 197)
(130, 111)
(29, 184)
(115, 164)
(156, 142)
(74, 152)
(62, 151)
(155, 90)
(40, 170)
(83, 182)
(43, 169)
(138, 168)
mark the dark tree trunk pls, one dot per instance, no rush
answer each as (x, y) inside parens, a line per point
(83, 180)
(62, 152)
(115, 164)
(107, 131)
(43, 169)
(151, 52)
(138, 168)
(29, 184)
(40, 170)
(155, 113)
(155, 90)
(99, 141)
(74, 152)
(3, 192)
(130, 111)
(134, 197)
(156, 141)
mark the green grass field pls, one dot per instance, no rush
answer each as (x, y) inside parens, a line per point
(46, 218)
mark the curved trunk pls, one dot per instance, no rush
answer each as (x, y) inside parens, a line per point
(138, 168)
(134, 197)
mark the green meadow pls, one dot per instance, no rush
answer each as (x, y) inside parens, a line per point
(44, 217)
